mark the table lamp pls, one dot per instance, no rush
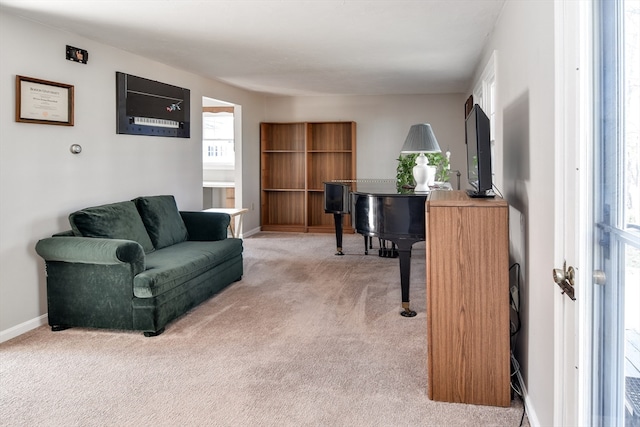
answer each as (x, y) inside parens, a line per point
(421, 139)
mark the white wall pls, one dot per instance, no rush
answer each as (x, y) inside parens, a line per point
(41, 182)
(524, 41)
(382, 124)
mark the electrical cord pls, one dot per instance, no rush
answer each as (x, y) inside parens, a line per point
(515, 385)
(515, 304)
(516, 368)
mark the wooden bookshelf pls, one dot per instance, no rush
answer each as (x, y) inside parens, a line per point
(296, 159)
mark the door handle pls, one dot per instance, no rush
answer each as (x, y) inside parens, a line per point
(599, 277)
(565, 278)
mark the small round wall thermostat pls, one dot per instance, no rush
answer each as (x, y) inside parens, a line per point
(76, 148)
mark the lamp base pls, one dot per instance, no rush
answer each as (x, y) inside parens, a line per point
(421, 189)
(423, 174)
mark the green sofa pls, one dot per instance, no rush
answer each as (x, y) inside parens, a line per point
(137, 265)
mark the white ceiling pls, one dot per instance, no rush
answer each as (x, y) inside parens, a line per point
(291, 47)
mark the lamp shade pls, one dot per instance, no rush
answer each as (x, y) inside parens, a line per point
(421, 139)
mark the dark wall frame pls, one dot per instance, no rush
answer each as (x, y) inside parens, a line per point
(148, 107)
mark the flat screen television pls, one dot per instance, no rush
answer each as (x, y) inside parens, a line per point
(478, 140)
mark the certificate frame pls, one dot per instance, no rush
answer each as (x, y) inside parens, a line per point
(44, 102)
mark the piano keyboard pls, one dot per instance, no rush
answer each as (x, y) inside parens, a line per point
(364, 180)
(146, 121)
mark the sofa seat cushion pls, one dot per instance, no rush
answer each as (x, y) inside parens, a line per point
(174, 265)
(162, 220)
(113, 221)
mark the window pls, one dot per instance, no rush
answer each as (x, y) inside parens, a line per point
(616, 351)
(484, 94)
(218, 143)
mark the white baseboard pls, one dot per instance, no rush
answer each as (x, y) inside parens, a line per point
(250, 232)
(22, 328)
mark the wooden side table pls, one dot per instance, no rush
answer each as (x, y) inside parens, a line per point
(235, 214)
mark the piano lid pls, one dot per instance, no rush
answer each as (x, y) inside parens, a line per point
(390, 188)
(381, 187)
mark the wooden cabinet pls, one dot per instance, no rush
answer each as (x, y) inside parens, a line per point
(468, 333)
(296, 158)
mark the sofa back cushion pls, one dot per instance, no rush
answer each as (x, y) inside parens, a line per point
(162, 219)
(113, 221)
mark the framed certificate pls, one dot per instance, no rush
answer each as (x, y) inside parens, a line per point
(44, 102)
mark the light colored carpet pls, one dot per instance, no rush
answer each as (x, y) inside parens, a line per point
(306, 338)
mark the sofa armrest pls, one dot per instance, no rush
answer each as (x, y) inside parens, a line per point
(90, 281)
(206, 226)
(90, 250)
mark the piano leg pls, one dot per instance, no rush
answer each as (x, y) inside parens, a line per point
(367, 244)
(337, 218)
(404, 249)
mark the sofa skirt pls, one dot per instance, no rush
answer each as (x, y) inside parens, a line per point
(153, 314)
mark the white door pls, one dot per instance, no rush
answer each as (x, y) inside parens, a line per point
(597, 338)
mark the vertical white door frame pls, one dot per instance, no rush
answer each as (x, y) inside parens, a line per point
(573, 208)
(586, 221)
(565, 105)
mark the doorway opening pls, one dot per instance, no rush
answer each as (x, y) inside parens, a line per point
(221, 154)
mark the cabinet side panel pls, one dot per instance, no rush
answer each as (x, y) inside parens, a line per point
(468, 304)
(487, 301)
(444, 292)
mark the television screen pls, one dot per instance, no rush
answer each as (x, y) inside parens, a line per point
(478, 139)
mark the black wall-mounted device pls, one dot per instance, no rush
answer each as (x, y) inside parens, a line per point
(77, 55)
(149, 107)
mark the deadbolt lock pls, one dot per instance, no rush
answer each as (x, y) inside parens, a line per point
(565, 278)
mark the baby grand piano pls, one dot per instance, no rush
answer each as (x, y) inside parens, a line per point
(378, 209)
